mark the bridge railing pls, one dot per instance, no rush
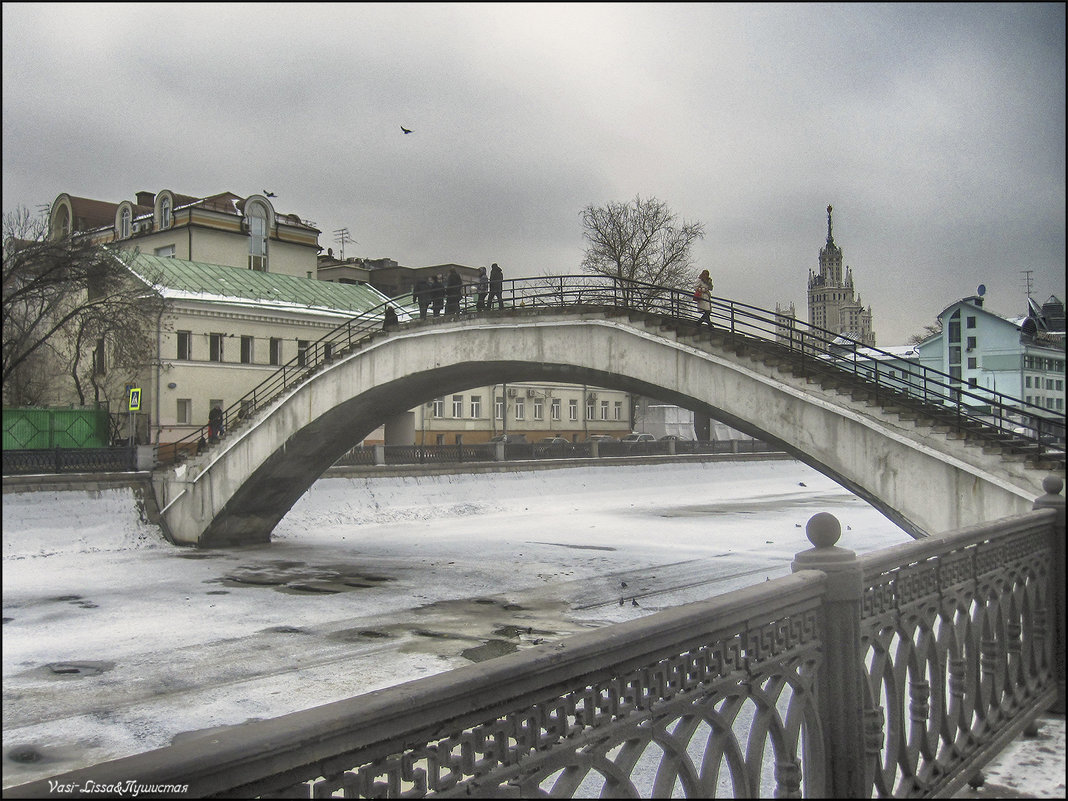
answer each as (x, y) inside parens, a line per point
(814, 351)
(487, 451)
(899, 673)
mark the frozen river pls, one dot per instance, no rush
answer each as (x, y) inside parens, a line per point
(115, 642)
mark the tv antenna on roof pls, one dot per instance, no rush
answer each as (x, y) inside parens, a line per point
(341, 236)
(1028, 281)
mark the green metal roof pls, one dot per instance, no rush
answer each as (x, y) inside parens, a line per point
(181, 279)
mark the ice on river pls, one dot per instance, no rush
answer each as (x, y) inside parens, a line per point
(116, 642)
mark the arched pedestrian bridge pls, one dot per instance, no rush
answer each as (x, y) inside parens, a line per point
(931, 459)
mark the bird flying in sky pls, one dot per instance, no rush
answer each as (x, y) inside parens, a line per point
(406, 130)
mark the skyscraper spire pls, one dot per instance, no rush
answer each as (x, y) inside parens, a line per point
(830, 239)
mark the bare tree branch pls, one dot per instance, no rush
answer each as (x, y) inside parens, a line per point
(62, 299)
(640, 240)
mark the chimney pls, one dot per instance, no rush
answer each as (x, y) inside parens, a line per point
(146, 198)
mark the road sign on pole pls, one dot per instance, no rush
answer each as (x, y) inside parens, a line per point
(135, 399)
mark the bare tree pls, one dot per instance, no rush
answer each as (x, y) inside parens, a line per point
(71, 307)
(640, 240)
(928, 332)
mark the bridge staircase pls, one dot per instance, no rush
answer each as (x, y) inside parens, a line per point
(781, 362)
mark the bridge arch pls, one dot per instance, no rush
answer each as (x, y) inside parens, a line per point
(238, 492)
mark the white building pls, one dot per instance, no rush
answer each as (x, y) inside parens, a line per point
(1017, 357)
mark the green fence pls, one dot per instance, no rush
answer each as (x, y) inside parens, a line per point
(42, 429)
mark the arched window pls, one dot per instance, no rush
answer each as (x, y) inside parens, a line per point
(61, 227)
(165, 213)
(124, 224)
(257, 236)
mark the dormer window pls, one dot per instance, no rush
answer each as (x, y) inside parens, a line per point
(165, 218)
(124, 223)
(256, 215)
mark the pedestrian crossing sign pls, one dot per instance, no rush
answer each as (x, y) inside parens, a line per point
(135, 399)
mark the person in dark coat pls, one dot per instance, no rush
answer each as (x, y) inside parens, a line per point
(389, 319)
(454, 289)
(437, 295)
(496, 286)
(421, 295)
(215, 423)
(482, 287)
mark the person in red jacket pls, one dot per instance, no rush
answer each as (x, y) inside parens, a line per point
(702, 293)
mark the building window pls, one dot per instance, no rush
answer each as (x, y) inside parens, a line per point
(1027, 382)
(954, 327)
(457, 405)
(257, 236)
(246, 350)
(185, 345)
(476, 406)
(276, 351)
(970, 322)
(498, 408)
(973, 383)
(165, 213)
(520, 409)
(970, 343)
(589, 409)
(439, 439)
(165, 252)
(302, 352)
(972, 363)
(604, 410)
(618, 411)
(954, 354)
(124, 224)
(185, 411)
(215, 349)
(539, 407)
(572, 410)
(554, 409)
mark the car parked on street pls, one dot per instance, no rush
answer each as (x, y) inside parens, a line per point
(554, 446)
(510, 439)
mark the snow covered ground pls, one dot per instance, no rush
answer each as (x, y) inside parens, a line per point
(115, 642)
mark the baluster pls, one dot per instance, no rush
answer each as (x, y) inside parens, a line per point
(841, 684)
(1054, 500)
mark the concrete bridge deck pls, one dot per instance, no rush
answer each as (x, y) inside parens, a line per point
(891, 449)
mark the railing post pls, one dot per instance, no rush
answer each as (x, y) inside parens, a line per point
(1054, 500)
(841, 685)
(594, 450)
(498, 454)
(380, 454)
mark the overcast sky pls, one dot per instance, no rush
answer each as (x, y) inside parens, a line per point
(937, 132)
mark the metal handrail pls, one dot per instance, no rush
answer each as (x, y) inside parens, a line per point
(816, 351)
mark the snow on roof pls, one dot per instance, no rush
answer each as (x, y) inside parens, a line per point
(179, 279)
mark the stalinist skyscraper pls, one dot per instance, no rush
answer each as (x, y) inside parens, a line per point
(831, 301)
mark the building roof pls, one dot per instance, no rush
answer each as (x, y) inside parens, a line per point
(179, 279)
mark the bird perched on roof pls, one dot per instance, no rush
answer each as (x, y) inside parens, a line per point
(634, 602)
(622, 584)
(269, 194)
(406, 130)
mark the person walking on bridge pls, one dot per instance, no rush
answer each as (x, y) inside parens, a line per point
(702, 294)
(437, 294)
(421, 295)
(215, 424)
(496, 286)
(482, 288)
(454, 288)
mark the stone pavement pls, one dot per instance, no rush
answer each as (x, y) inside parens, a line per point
(1031, 767)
